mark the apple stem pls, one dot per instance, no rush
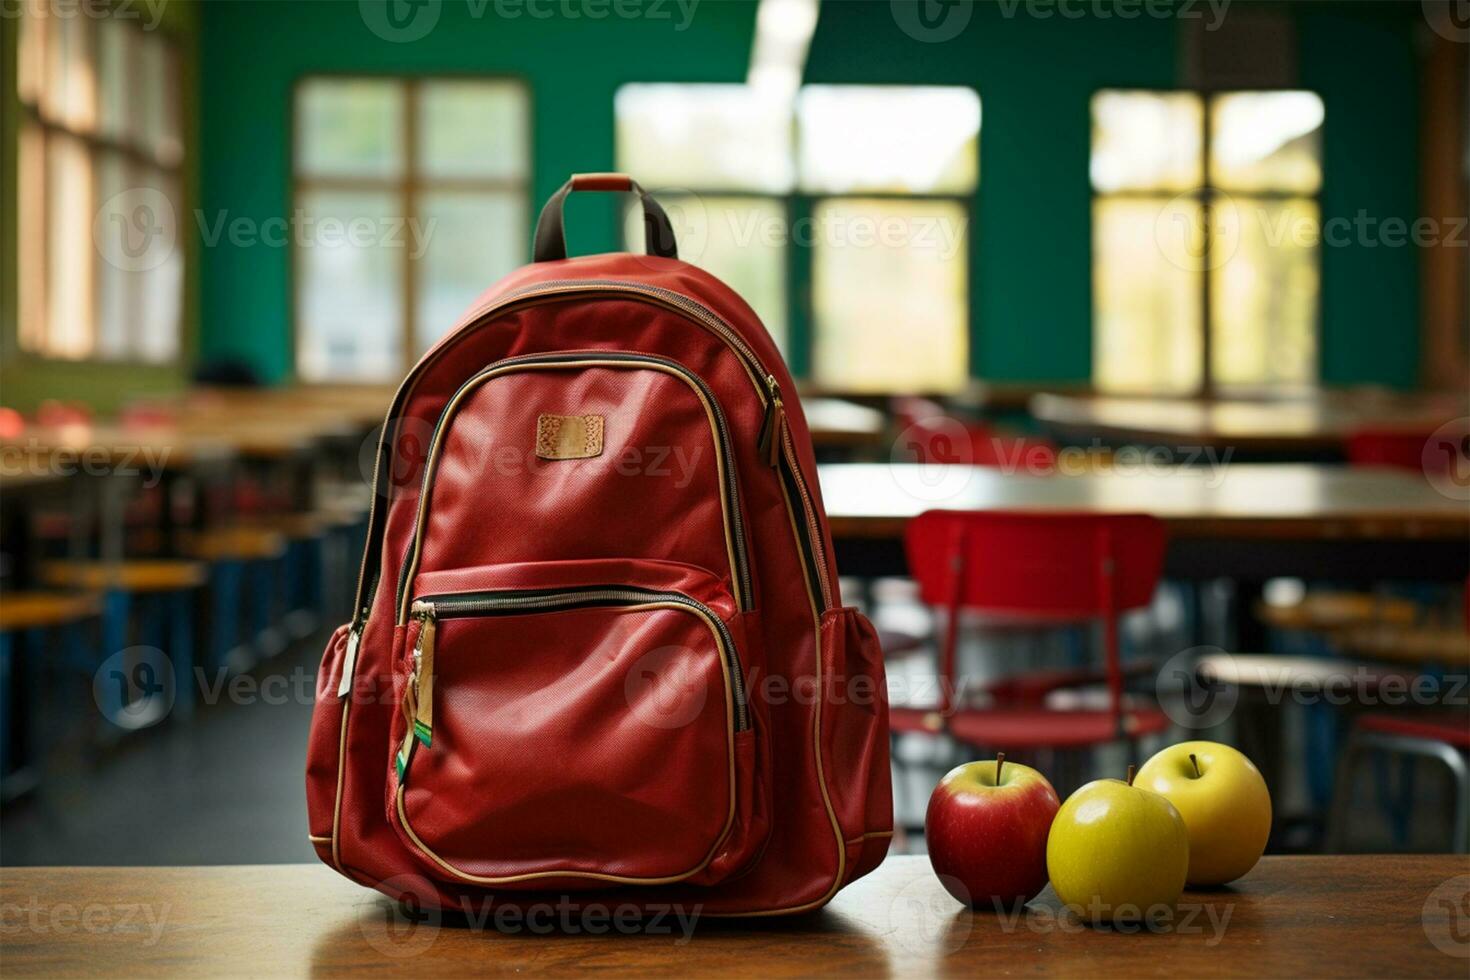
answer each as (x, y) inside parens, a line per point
(1130, 775)
(1000, 760)
(1194, 762)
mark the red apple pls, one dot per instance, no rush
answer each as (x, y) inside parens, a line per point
(986, 832)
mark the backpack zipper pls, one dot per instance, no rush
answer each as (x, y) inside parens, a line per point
(740, 573)
(429, 610)
(762, 380)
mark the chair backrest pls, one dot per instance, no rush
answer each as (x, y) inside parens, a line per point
(945, 439)
(909, 409)
(1061, 565)
(1036, 562)
(1401, 448)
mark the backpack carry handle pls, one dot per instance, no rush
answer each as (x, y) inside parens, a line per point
(550, 242)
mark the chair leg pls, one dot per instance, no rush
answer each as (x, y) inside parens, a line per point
(1453, 760)
(224, 625)
(1321, 739)
(116, 611)
(7, 710)
(1342, 797)
(181, 649)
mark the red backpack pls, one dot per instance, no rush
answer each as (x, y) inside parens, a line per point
(597, 647)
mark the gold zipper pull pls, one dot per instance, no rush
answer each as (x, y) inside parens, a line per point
(349, 661)
(775, 421)
(423, 675)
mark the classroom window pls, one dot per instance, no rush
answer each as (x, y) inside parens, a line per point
(411, 196)
(99, 193)
(1205, 240)
(876, 185)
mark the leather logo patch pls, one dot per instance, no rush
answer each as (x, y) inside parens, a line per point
(568, 436)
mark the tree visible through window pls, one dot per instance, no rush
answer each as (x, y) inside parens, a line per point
(1205, 240)
(411, 197)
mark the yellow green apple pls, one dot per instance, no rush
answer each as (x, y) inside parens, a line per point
(1117, 852)
(1224, 802)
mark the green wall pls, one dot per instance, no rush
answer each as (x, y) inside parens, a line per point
(1362, 61)
(254, 52)
(1030, 280)
(1030, 231)
(1030, 234)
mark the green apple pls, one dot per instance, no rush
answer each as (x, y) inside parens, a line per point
(1117, 852)
(1224, 802)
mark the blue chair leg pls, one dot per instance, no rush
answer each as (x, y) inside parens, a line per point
(151, 610)
(181, 651)
(311, 586)
(1321, 738)
(225, 611)
(7, 713)
(116, 607)
(260, 604)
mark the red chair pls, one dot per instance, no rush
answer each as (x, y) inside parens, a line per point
(1405, 449)
(909, 410)
(1442, 737)
(939, 438)
(1044, 568)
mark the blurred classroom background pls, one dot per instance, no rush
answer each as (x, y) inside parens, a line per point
(1202, 261)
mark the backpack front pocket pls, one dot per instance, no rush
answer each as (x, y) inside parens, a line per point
(573, 737)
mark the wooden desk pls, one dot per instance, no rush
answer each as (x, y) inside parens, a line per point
(1247, 520)
(1291, 916)
(1305, 426)
(839, 423)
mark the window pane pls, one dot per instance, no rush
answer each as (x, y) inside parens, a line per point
(1146, 141)
(742, 240)
(161, 287)
(69, 214)
(116, 67)
(157, 95)
(118, 287)
(1267, 141)
(31, 236)
(70, 95)
(705, 137)
(468, 241)
(898, 139)
(349, 128)
(889, 295)
(1146, 295)
(1264, 297)
(473, 129)
(31, 54)
(349, 314)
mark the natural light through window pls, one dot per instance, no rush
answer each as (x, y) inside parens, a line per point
(1205, 263)
(427, 179)
(864, 191)
(100, 189)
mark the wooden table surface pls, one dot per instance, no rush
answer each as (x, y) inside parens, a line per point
(1292, 916)
(838, 422)
(1238, 500)
(1306, 425)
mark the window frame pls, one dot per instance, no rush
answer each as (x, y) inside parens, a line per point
(1205, 196)
(98, 146)
(408, 187)
(799, 204)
